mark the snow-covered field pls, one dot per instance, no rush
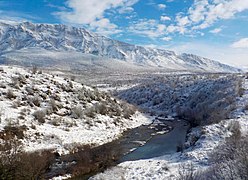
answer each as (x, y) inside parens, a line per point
(58, 113)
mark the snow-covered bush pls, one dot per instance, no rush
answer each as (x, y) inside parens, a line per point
(90, 112)
(229, 160)
(201, 99)
(40, 115)
(77, 112)
(101, 108)
(53, 105)
(128, 111)
(187, 172)
(36, 101)
(10, 94)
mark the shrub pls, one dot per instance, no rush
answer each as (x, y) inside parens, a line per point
(34, 69)
(40, 116)
(246, 107)
(229, 160)
(77, 112)
(73, 78)
(27, 169)
(92, 160)
(9, 157)
(16, 103)
(187, 172)
(128, 111)
(90, 112)
(17, 164)
(101, 108)
(234, 127)
(53, 105)
(10, 94)
(29, 90)
(14, 131)
(201, 99)
(36, 101)
(55, 122)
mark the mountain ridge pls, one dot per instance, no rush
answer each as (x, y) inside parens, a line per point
(62, 38)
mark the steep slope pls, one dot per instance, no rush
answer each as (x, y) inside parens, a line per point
(60, 38)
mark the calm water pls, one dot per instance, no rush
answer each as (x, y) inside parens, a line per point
(161, 144)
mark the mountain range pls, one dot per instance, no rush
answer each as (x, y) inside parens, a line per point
(71, 47)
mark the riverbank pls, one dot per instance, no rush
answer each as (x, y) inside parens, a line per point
(90, 161)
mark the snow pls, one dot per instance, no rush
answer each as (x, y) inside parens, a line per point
(65, 39)
(166, 167)
(60, 131)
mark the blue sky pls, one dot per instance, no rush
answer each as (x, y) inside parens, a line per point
(216, 29)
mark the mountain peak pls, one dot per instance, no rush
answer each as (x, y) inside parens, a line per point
(62, 38)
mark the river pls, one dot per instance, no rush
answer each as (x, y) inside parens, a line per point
(157, 139)
(163, 144)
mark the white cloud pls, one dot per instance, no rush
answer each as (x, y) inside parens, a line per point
(242, 43)
(216, 30)
(182, 21)
(166, 38)
(148, 27)
(105, 27)
(165, 18)
(204, 13)
(125, 10)
(161, 28)
(161, 6)
(197, 11)
(90, 12)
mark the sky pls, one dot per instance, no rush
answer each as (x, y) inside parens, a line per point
(216, 29)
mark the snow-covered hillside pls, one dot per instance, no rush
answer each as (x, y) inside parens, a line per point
(202, 142)
(46, 111)
(60, 38)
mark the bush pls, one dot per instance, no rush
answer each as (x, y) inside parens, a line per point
(40, 116)
(17, 164)
(53, 105)
(9, 157)
(34, 69)
(128, 111)
(77, 112)
(91, 160)
(187, 172)
(90, 112)
(10, 94)
(201, 99)
(228, 160)
(16, 103)
(27, 169)
(234, 127)
(10, 132)
(36, 101)
(101, 108)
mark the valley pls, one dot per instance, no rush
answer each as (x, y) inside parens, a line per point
(77, 122)
(85, 106)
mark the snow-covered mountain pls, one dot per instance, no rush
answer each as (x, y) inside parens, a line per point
(19, 42)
